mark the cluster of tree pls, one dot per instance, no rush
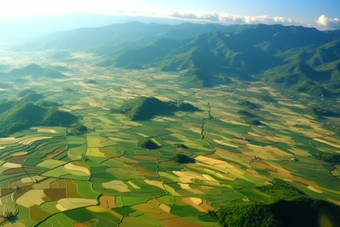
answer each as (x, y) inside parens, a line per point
(280, 189)
(254, 122)
(148, 144)
(181, 145)
(333, 158)
(143, 108)
(9, 216)
(244, 113)
(298, 212)
(249, 104)
(320, 112)
(78, 129)
(182, 159)
(266, 98)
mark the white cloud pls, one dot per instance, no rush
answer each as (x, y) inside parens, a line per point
(328, 22)
(14, 8)
(236, 19)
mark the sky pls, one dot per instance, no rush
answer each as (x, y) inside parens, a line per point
(324, 14)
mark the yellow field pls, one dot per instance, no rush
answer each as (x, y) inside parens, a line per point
(116, 185)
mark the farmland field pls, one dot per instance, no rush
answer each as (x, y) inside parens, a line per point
(46, 180)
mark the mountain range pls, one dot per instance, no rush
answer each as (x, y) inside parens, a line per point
(305, 59)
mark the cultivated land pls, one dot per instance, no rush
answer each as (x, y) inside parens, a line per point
(103, 178)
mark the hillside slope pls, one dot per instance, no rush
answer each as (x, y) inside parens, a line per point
(18, 115)
(302, 58)
(143, 108)
(31, 70)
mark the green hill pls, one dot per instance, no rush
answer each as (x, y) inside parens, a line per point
(19, 115)
(249, 104)
(290, 207)
(33, 97)
(25, 92)
(31, 70)
(320, 112)
(148, 144)
(91, 81)
(295, 213)
(294, 73)
(182, 159)
(143, 108)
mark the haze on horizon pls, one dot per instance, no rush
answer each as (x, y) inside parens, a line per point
(323, 15)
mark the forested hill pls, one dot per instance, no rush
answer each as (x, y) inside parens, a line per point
(31, 70)
(16, 115)
(304, 58)
(144, 108)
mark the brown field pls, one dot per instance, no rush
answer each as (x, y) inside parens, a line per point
(18, 159)
(55, 194)
(107, 201)
(107, 153)
(6, 191)
(55, 153)
(72, 190)
(160, 216)
(206, 206)
(128, 160)
(19, 170)
(22, 191)
(258, 164)
(178, 222)
(154, 203)
(239, 141)
(13, 171)
(146, 208)
(38, 214)
(148, 158)
(144, 172)
(190, 202)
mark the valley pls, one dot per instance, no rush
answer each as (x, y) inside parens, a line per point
(102, 177)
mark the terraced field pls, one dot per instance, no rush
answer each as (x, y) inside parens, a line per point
(102, 178)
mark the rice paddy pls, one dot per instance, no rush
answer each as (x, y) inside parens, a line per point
(48, 182)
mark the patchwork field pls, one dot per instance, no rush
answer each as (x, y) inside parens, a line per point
(103, 178)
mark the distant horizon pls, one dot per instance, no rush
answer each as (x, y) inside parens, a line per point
(321, 15)
(150, 19)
